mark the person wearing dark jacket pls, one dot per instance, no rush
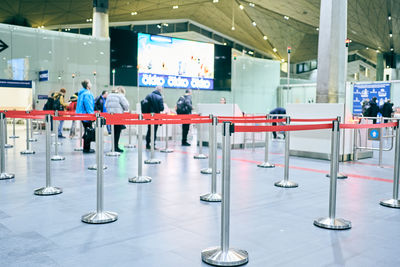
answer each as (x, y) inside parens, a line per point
(85, 105)
(276, 111)
(387, 110)
(184, 106)
(373, 109)
(156, 105)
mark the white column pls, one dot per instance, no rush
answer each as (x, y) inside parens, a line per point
(100, 19)
(331, 50)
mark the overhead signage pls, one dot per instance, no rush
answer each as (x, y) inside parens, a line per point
(172, 81)
(362, 92)
(43, 75)
(3, 46)
(15, 83)
(42, 97)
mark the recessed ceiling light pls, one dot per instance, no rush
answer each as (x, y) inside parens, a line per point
(134, 13)
(274, 49)
(283, 60)
(265, 37)
(225, 43)
(367, 48)
(286, 17)
(215, 1)
(254, 23)
(233, 28)
(317, 29)
(377, 51)
(389, 17)
(241, 7)
(391, 49)
(175, 7)
(251, 52)
(252, 4)
(390, 35)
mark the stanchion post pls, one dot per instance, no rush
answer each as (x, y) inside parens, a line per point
(6, 145)
(113, 153)
(28, 150)
(13, 130)
(129, 145)
(140, 178)
(212, 143)
(3, 175)
(30, 125)
(381, 148)
(166, 149)
(80, 148)
(395, 202)
(285, 182)
(100, 215)
(331, 222)
(94, 167)
(200, 155)
(56, 157)
(152, 160)
(339, 175)
(223, 255)
(266, 163)
(213, 196)
(355, 156)
(48, 189)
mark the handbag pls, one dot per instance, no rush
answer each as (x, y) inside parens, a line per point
(90, 134)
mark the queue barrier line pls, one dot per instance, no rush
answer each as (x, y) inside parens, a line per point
(313, 120)
(117, 121)
(286, 128)
(166, 116)
(368, 126)
(242, 118)
(252, 121)
(78, 117)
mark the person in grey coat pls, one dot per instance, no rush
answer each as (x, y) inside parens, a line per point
(117, 103)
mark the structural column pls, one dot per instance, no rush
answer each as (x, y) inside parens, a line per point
(332, 51)
(100, 18)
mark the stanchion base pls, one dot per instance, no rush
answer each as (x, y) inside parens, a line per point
(78, 149)
(94, 167)
(100, 217)
(166, 150)
(113, 154)
(286, 184)
(8, 146)
(27, 152)
(129, 146)
(208, 171)
(200, 156)
(32, 140)
(391, 203)
(211, 197)
(57, 158)
(140, 179)
(266, 165)
(339, 176)
(36, 133)
(48, 191)
(233, 257)
(13, 136)
(152, 161)
(5, 176)
(333, 224)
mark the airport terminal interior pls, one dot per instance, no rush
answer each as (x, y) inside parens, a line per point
(199, 133)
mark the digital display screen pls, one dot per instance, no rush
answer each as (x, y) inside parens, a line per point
(175, 63)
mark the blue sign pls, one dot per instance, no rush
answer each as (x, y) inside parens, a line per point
(43, 75)
(172, 81)
(363, 92)
(374, 133)
(15, 83)
(42, 97)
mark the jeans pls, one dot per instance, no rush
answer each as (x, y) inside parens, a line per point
(148, 134)
(72, 130)
(60, 127)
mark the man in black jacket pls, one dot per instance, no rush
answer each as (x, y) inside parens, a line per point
(387, 110)
(184, 106)
(156, 105)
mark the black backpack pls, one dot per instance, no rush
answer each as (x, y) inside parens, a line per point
(57, 104)
(97, 104)
(181, 107)
(145, 106)
(49, 104)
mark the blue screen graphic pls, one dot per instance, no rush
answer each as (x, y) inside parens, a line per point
(363, 92)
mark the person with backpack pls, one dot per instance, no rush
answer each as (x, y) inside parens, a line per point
(117, 103)
(85, 105)
(373, 109)
(184, 106)
(387, 110)
(72, 108)
(60, 105)
(153, 103)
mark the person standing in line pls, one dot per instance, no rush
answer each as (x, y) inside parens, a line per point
(60, 105)
(277, 111)
(155, 105)
(100, 105)
(117, 103)
(373, 109)
(72, 108)
(184, 106)
(85, 105)
(387, 110)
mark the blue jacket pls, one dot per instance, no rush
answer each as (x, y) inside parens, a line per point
(85, 104)
(156, 102)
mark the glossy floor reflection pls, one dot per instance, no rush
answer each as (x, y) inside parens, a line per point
(163, 223)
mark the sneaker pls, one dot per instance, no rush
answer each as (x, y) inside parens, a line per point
(89, 151)
(61, 136)
(119, 150)
(185, 144)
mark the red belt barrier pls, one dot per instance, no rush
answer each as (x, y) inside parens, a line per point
(117, 121)
(367, 126)
(251, 121)
(127, 116)
(242, 118)
(286, 128)
(311, 120)
(79, 117)
(166, 116)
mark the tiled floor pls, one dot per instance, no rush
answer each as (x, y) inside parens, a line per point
(163, 223)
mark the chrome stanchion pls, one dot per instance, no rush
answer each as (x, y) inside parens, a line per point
(48, 189)
(13, 131)
(80, 148)
(223, 255)
(332, 222)
(200, 155)
(212, 144)
(166, 149)
(28, 150)
(100, 216)
(140, 178)
(31, 138)
(152, 160)
(5, 136)
(113, 153)
(355, 156)
(213, 196)
(56, 157)
(395, 202)
(285, 182)
(129, 145)
(339, 175)
(381, 148)
(266, 163)
(3, 175)
(94, 166)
